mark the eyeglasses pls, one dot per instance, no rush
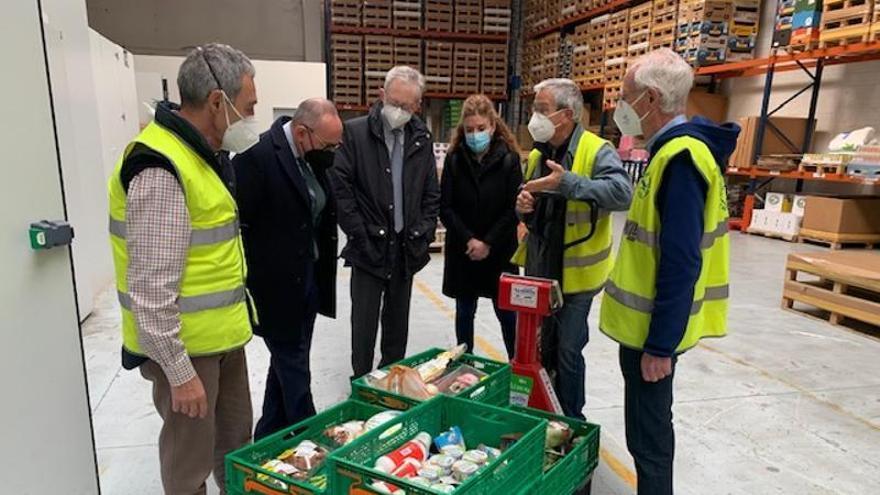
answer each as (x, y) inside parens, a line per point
(408, 108)
(324, 144)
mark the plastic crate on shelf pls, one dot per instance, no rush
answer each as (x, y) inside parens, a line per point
(572, 471)
(518, 465)
(493, 389)
(244, 473)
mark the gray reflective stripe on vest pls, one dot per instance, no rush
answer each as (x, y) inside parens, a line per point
(646, 305)
(709, 238)
(199, 237)
(589, 260)
(192, 304)
(573, 217)
(636, 233)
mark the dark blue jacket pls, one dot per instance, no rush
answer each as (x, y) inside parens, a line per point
(680, 203)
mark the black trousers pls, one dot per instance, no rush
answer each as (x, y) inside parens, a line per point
(371, 297)
(650, 437)
(288, 396)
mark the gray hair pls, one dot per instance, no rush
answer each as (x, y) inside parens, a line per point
(666, 72)
(196, 81)
(406, 74)
(566, 93)
(310, 111)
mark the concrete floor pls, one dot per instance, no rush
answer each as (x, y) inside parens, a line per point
(784, 404)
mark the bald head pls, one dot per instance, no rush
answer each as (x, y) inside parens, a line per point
(316, 125)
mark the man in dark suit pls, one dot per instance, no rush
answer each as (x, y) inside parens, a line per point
(288, 220)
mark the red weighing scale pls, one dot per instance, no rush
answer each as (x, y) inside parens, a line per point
(532, 299)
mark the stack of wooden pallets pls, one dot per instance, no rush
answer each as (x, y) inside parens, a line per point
(468, 16)
(664, 23)
(439, 15)
(346, 53)
(598, 31)
(845, 22)
(438, 66)
(466, 68)
(378, 59)
(493, 80)
(496, 16)
(346, 12)
(377, 13)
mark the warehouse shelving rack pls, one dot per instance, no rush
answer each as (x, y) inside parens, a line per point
(812, 64)
(330, 28)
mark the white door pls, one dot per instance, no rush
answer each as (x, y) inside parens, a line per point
(46, 442)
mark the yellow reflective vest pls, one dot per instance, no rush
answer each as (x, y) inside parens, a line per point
(586, 265)
(629, 295)
(213, 301)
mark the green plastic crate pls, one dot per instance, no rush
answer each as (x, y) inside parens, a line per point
(494, 389)
(243, 465)
(514, 470)
(572, 471)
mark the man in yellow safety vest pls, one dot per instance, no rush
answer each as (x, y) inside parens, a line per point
(669, 285)
(571, 166)
(180, 268)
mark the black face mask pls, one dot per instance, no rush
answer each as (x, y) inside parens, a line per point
(320, 160)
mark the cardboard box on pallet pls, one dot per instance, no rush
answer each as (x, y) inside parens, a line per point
(843, 214)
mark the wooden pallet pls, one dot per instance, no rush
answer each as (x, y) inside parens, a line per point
(493, 79)
(466, 68)
(836, 240)
(347, 91)
(843, 285)
(378, 52)
(838, 5)
(771, 234)
(823, 168)
(641, 13)
(844, 38)
(439, 15)
(468, 16)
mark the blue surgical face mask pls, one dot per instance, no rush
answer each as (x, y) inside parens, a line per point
(478, 141)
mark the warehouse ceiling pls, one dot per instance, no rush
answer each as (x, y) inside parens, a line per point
(263, 29)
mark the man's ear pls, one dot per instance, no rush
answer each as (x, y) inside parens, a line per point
(215, 100)
(382, 94)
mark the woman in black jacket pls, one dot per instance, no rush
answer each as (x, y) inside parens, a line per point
(481, 178)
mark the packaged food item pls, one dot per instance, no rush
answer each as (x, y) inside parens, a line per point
(463, 470)
(380, 418)
(478, 457)
(433, 369)
(431, 472)
(452, 436)
(305, 457)
(406, 381)
(375, 376)
(558, 433)
(319, 481)
(460, 379)
(409, 469)
(454, 451)
(443, 488)
(345, 433)
(443, 461)
(279, 467)
(492, 452)
(417, 449)
(384, 487)
(551, 458)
